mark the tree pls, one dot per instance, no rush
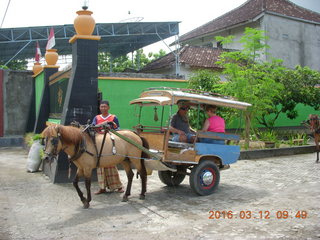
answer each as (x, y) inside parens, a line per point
(15, 65)
(250, 79)
(271, 88)
(300, 87)
(139, 59)
(203, 80)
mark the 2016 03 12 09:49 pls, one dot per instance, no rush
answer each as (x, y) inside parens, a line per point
(260, 214)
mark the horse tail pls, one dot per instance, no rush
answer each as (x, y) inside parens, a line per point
(144, 155)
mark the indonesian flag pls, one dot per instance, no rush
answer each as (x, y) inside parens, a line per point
(51, 40)
(38, 53)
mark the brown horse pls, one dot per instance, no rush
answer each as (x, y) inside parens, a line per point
(83, 153)
(315, 129)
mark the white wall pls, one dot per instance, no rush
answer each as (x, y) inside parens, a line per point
(297, 43)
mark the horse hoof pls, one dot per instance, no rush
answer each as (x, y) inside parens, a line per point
(142, 197)
(125, 199)
(86, 205)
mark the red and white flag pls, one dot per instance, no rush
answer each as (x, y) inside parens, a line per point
(38, 53)
(51, 40)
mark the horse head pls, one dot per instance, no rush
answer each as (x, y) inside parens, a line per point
(52, 142)
(59, 138)
(314, 122)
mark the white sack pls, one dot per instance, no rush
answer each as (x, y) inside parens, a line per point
(34, 159)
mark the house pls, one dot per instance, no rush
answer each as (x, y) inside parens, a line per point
(293, 36)
(190, 58)
(293, 31)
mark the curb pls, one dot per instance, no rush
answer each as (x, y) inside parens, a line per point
(275, 152)
(11, 142)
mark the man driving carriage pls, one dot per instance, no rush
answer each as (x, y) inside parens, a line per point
(180, 126)
(107, 177)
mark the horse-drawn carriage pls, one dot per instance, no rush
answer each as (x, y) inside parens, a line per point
(151, 147)
(200, 161)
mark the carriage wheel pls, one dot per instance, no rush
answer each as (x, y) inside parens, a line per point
(172, 178)
(205, 178)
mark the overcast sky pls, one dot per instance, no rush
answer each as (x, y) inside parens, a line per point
(191, 14)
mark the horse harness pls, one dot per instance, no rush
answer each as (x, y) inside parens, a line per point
(81, 147)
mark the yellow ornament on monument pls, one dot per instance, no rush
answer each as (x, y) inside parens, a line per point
(51, 57)
(84, 23)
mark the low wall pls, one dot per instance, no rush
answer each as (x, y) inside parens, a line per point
(275, 152)
(17, 87)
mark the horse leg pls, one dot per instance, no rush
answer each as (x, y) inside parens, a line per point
(130, 174)
(143, 176)
(316, 138)
(76, 185)
(143, 170)
(87, 174)
(86, 203)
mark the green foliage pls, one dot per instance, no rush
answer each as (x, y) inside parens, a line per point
(299, 88)
(224, 40)
(208, 81)
(137, 61)
(196, 122)
(298, 139)
(268, 136)
(203, 80)
(15, 65)
(268, 86)
(29, 138)
(253, 42)
(249, 80)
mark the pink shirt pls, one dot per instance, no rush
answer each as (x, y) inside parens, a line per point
(217, 124)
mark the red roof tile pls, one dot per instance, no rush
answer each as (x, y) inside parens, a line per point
(194, 56)
(248, 11)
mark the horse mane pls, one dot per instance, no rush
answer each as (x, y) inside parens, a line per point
(68, 134)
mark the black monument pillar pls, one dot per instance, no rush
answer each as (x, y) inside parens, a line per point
(81, 101)
(81, 98)
(44, 107)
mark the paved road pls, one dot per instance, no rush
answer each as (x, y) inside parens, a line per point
(274, 198)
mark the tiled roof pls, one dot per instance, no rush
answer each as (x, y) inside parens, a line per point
(250, 10)
(194, 56)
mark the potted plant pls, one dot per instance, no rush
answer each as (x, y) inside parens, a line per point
(269, 138)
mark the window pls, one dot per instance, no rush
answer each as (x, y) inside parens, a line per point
(285, 36)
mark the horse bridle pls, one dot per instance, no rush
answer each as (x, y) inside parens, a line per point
(54, 142)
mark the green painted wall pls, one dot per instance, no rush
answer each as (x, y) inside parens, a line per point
(282, 120)
(303, 111)
(39, 85)
(120, 92)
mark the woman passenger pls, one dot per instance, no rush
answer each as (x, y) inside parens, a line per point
(213, 123)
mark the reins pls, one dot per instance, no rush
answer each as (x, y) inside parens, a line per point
(80, 149)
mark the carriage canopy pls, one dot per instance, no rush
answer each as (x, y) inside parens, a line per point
(172, 97)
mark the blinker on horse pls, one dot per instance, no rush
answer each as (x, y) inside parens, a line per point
(83, 152)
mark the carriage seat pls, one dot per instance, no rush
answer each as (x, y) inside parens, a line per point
(180, 145)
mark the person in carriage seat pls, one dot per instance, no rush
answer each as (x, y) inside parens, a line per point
(107, 177)
(213, 123)
(180, 126)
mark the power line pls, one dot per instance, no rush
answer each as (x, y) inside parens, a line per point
(5, 13)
